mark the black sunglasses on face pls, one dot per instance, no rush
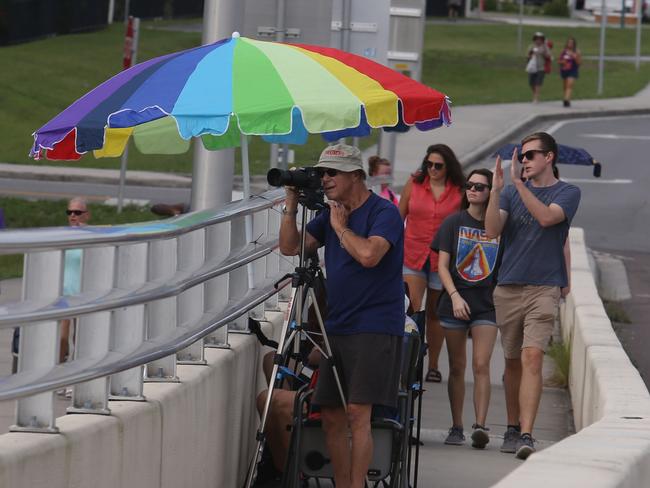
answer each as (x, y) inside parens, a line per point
(75, 212)
(476, 186)
(436, 166)
(530, 154)
(331, 172)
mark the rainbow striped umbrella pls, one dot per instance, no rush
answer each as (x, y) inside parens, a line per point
(236, 87)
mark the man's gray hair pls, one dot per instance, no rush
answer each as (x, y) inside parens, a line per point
(80, 201)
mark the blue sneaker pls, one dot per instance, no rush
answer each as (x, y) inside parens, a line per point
(525, 446)
(510, 438)
(455, 437)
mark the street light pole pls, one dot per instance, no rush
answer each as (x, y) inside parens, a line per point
(212, 173)
(639, 14)
(520, 26)
(601, 56)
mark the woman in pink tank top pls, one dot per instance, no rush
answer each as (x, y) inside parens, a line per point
(378, 166)
(430, 195)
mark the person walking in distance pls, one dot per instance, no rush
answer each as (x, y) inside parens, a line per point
(538, 55)
(467, 265)
(533, 219)
(363, 236)
(431, 194)
(570, 60)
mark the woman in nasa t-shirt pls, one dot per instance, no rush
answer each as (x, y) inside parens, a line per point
(467, 264)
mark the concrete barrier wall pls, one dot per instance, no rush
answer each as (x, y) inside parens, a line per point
(199, 433)
(611, 405)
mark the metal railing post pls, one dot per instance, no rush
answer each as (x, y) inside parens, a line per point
(92, 337)
(217, 248)
(191, 255)
(260, 232)
(161, 314)
(39, 342)
(128, 323)
(238, 286)
(273, 259)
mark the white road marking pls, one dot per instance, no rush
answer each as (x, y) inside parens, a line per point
(616, 136)
(597, 180)
(555, 127)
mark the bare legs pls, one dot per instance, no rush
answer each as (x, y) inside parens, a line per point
(483, 339)
(536, 89)
(530, 390)
(456, 349)
(511, 381)
(523, 384)
(435, 334)
(350, 460)
(568, 90)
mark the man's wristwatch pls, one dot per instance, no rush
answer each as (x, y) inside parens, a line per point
(289, 212)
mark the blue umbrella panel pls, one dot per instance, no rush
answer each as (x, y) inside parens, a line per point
(566, 155)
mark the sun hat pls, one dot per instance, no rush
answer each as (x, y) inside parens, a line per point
(341, 157)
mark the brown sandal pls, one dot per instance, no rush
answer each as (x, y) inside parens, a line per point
(433, 376)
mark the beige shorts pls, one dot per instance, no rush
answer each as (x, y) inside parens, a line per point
(526, 316)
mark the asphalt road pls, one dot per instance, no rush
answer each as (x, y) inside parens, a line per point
(615, 210)
(616, 213)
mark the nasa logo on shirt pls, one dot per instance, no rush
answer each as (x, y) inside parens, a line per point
(476, 255)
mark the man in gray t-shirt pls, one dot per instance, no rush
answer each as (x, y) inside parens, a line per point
(533, 219)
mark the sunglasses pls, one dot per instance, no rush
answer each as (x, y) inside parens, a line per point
(75, 212)
(436, 166)
(331, 172)
(530, 154)
(476, 186)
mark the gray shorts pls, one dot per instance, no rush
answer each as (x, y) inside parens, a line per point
(369, 368)
(536, 79)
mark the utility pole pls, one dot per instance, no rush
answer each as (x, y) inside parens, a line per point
(639, 14)
(520, 26)
(601, 56)
(212, 174)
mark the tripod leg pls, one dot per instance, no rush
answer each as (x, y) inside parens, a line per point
(260, 436)
(328, 350)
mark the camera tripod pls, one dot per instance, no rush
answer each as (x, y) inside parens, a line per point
(302, 289)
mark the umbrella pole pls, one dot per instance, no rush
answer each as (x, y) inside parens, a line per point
(120, 189)
(248, 220)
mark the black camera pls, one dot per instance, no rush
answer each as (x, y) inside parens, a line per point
(305, 180)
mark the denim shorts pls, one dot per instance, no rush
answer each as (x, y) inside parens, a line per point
(431, 277)
(459, 324)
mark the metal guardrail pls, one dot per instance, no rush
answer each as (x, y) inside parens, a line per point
(153, 295)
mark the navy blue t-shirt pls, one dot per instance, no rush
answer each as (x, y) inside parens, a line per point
(532, 254)
(364, 300)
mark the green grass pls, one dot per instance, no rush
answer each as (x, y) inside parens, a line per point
(561, 355)
(473, 64)
(479, 63)
(46, 213)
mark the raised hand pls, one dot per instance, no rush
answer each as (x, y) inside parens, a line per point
(515, 167)
(338, 216)
(497, 176)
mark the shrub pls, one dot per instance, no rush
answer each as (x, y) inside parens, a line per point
(556, 8)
